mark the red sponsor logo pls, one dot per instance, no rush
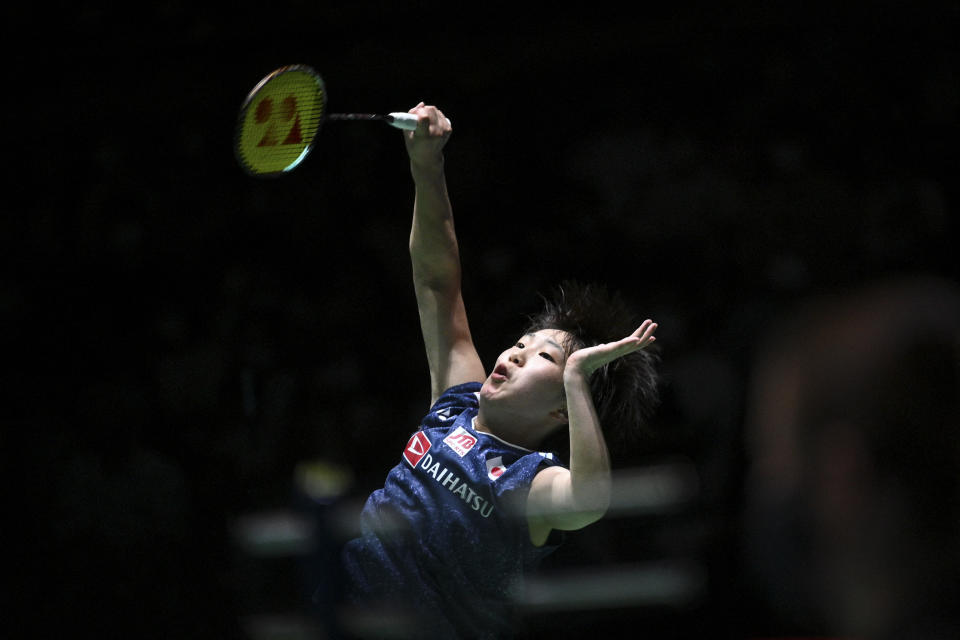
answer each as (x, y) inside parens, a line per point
(460, 441)
(416, 448)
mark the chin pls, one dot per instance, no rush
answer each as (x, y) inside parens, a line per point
(489, 390)
(486, 389)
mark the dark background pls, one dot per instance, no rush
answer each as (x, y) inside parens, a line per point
(181, 336)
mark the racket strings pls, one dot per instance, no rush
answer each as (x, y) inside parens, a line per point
(279, 120)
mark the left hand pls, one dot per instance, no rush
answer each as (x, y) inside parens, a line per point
(587, 360)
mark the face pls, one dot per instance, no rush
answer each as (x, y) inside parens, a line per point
(527, 381)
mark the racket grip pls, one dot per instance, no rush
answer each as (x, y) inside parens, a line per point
(406, 121)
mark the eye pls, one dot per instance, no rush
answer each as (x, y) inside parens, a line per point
(547, 356)
(520, 345)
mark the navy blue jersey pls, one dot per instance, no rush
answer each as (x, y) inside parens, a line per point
(447, 535)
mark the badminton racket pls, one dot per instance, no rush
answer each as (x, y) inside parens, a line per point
(281, 116)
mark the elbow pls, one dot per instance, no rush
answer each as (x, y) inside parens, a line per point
(593, 503)
(579, 518)
(589, 517)
(599, 508)
(439, 283)
(437, 270)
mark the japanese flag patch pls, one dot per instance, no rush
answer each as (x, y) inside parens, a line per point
(495, 467)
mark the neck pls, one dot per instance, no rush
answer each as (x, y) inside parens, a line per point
(513, 429)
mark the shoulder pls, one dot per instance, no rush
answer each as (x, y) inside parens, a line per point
(452, 403)
(465, 395)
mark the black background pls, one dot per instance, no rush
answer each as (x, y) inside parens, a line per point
(180, 335)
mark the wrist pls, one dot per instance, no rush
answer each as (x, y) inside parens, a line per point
(574, 375)
(430, 167)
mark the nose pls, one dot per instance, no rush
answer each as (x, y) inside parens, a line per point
(517, 357)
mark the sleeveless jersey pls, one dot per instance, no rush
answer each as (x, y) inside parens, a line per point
(447, 537)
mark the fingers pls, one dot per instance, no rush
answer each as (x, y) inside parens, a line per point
(641, 338)
(645, 332)
(431, 121)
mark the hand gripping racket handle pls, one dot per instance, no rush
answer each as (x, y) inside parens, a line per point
(406, 121)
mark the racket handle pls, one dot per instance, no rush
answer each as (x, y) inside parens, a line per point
(406, 121)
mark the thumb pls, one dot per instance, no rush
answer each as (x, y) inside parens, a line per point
(416, 111)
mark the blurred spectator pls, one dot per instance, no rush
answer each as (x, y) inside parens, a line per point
(852, 513)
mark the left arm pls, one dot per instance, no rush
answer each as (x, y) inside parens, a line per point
(571, 499)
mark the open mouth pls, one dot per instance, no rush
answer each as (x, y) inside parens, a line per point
(500, 373)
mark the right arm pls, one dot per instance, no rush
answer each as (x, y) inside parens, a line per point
(435, 258)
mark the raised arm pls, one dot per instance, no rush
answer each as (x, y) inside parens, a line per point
(435, 257)
(570, 499)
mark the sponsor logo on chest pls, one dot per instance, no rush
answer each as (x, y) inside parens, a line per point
(417, 447)
(417, 455)
(456, 485)
(461, 441)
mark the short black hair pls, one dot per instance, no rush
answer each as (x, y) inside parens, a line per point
(626, 391)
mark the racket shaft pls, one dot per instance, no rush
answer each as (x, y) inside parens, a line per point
(355, 116)
(396, 119)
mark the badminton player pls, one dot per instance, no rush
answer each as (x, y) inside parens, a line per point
(472, 503)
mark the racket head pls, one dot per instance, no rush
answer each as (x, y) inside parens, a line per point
(279, 121)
